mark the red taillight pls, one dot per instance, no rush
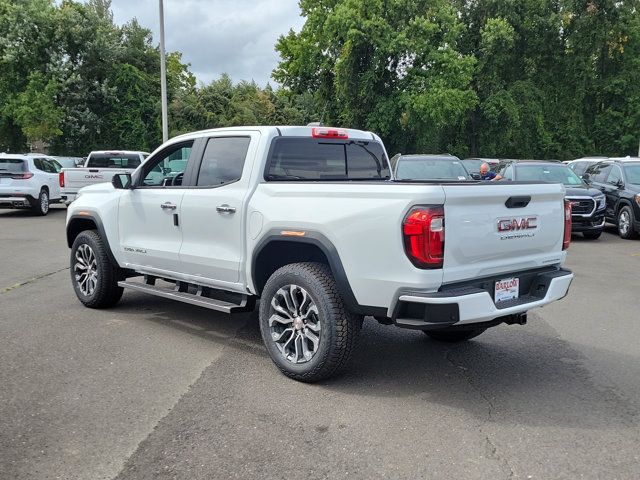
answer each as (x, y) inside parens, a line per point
(22, 176)
(423, 233)
(567, 225)
(324, 132)
(61, 179)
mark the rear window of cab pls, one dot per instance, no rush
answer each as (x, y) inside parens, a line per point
(114, 160)
(301, 159)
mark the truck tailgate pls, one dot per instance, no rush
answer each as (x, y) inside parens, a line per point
(76, 178)
(495, 228)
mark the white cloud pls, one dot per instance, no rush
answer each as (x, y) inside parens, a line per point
(218, 36)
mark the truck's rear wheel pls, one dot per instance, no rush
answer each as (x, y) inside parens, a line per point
(308, 332)
(93, 275)
(450, 335)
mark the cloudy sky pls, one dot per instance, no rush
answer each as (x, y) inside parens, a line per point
(217, 36)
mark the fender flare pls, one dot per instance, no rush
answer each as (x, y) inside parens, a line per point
(330, 252)
(93, 217)
(622, 202)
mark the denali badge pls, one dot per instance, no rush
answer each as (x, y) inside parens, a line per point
(514, 224)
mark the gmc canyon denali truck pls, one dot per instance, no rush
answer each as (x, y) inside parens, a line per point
(308, 222)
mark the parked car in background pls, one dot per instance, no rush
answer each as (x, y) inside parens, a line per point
(428, 167)
(473, 164)
(580, 165)
(619, 181)
(28, 181)
(588, 204)
(99, 167)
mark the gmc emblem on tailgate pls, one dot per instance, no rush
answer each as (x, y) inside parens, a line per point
(515, 224)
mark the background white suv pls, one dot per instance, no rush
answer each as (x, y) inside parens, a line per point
(28, 181)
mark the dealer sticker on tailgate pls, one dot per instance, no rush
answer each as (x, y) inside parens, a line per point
(507, 289)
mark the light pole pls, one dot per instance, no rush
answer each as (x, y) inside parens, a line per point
(163, 77)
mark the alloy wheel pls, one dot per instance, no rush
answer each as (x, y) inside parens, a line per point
(624, 223)
(294, 324)
(44, 202)
(86, 269)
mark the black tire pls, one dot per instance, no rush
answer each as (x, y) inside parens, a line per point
(41, 207)
(454, 335)
(339, 328)
(627, 232)
(106, 292)
(592, 235)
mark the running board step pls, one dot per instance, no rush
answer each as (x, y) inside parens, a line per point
(194, 299)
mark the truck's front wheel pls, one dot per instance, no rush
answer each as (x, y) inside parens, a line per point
(94, 276)
(308, 332)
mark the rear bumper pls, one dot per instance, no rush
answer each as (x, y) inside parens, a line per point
(16, 201)
(473, 303)
(68, 197)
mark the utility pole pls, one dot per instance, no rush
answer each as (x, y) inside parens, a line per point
(163, 77)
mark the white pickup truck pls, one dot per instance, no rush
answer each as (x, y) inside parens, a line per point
(307, 222)
(99, 167)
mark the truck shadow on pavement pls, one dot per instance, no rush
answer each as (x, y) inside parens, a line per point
(513, 375)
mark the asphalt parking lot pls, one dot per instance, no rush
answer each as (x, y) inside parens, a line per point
(153, 389)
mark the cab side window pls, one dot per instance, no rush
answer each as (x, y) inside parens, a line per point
(167, 168)
(223, 161)
(39, 164)
(49, 166)
(615, 176)
(599, 172)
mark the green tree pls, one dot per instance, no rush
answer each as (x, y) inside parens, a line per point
(35, 109)
(392, 66)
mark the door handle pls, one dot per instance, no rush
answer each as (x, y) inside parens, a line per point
(168, 206)
(224, 208)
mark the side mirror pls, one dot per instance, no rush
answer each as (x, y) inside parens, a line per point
(121, 181)
(620, 184)
(476, 176)
(587, 178)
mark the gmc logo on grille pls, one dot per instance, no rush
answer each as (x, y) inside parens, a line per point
(514, 224)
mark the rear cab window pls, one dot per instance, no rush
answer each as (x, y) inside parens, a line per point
(304, 159)
(113, 160)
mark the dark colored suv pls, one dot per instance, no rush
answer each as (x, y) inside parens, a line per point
(588, 204)
(619, 180)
